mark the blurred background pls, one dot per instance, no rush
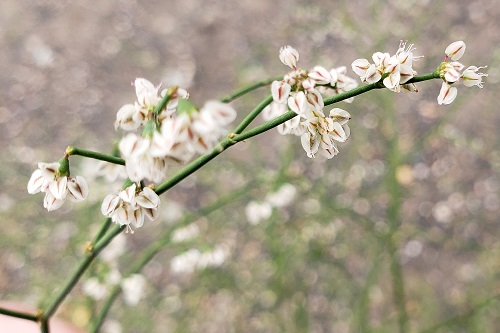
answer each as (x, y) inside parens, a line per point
(398, 233)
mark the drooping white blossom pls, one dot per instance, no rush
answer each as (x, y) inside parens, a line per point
(57, 187)
(131, 206)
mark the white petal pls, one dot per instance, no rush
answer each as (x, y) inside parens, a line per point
(447, 94)
(49, 170)
(310, 143)
(145, 91)
(128, 118)
(338, 133)
(59, 188)
(51, 203)
(148, 198)
(36, 182)
(133, 146)
(289, 56)
(128, 194)
(298, 103)
(455, 50)
(372, 75)
(359, 66)
(451, 75)
(280, 91)
(222, 113)
(320, 75)
(392, 80)
(78, 188)
(109, 204)
(340, 116)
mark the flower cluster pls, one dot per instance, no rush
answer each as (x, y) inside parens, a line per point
(394, 71)
(174, 134)
(302, 92)
(131, 206)
(57, 185)
(450, 73)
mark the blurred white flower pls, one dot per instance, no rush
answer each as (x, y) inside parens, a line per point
(193, 259)
(186, 233)
(92, 287)
(283, 196)
(133, 289)
(256, 212)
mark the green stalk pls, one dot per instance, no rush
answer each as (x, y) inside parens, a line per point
(252, 115)
(82, 267)
(249, 88)
(95, 155)
(18, 314)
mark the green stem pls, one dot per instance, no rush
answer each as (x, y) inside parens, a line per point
(394, 218)
(82, 267)
(252, 115)
(44, 325)
(18, 314)
(95, 155)
(170, 92)
(227, 142)
(102, 231)
(160, 244)
(249, 88)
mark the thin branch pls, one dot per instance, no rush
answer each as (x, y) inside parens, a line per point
(249, 88)
(95, 155)
(18, 314)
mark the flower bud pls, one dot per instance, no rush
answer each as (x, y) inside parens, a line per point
(289, 56)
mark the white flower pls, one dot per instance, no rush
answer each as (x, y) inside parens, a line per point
(471, 77)
(133, 289)
(94, 288)
(283, 196)
(455, 50)
(140, 163)
(42, 177)
(186, 233)
(275, 110)
(131, 207)
(129, 118)
(289, 56)
(256, 212)
(56, 187)
(110, 171)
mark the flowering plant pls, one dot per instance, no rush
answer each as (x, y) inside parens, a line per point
(164, 128)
